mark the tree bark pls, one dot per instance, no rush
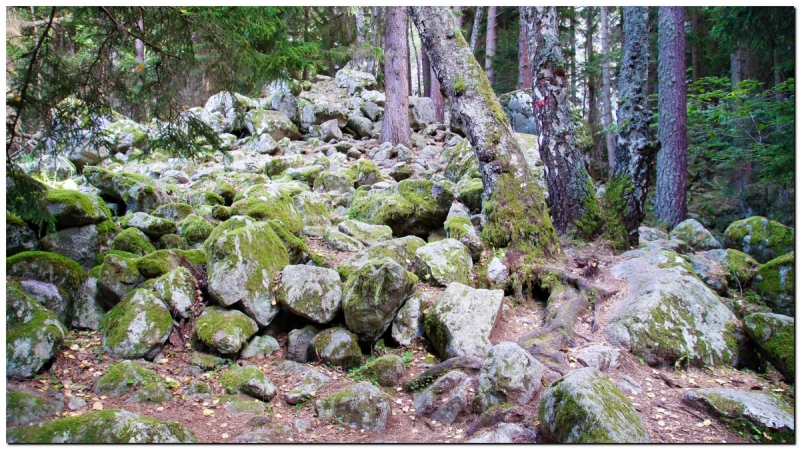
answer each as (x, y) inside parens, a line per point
(516, 212)
(744, 64)
(670, 198)
(591, 80)
(572, 199)
(573, 90)
(524, 79)
(627, 189)
(610, 138)
(459, 14)
(476, 24)
(491, 41)
(408, 58)
(426, 75)
(396, 128)
(372, 63)
(361, 37)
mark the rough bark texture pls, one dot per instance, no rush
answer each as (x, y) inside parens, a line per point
(515, 208)
(375, 17)
(491, 41)
(459, 14)
(573, 90)
(671, 165)
(627, 189)
(437, 97)
(744, 64)
(426, 75)
(572, 200)
(591, 80)
(138, 43)
(476, 25)
(524, 79)
(396, 128)
(610, 140)
(361, 35)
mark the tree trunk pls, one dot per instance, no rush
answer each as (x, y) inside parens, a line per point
(572, 199)
(396, 128)
(361, 37)
(437, 97)
(516, 212)
(524, 79)
(610, 138)
(744, 64)
(476, 24)
(573, 89)
(670, 199)
(138, 43)
(372, 63)
(408, 58)
(591, 81)
(697, 69)
(417, 64)
(459, 14)
(491, 41)
(627, 189)
(426, 75)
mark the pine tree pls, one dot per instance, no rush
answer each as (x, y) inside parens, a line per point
(491, 42)
(396, 128)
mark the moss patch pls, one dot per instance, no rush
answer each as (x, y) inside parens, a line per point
(133, 241)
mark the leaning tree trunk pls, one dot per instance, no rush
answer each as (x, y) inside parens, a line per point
(627, 189)
(476, 25)
(396, 128)
(491, 42)
(671, 164)
(512, 201)
(572, 199)
(524, 79)
(607, 88)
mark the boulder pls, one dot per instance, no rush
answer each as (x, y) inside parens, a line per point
(462, 319)
(117, 277)
(133, 241)
(361, 126)
(759, 237)
(231, 107)
(269, 204)
(695, 235)
(248, 380)
(313, 209)
(509, 374)
(338, 241)
(386, 371)
(320, 112)
(275, 124)
(136, 327)
(260, 345)
(50, 296)
(400, 250)
(81, 244)
(443, 262)
(311, 382)
(19, 236)
(177, 290)
(413, 206)
(162, 261)
(335, 346)
(47, 267)
(241, 266)
(460, 228)
(297, 343)
(125, 134)
(458, 159)
(311, 292)
(470, 192)
(330, 131)
(87, 309)
(373, 96)
(775, 282)
(739, 266)
(127, 376)
(24, 407)
(599, 357)
(139, 193)
(366, 233)
(506, 433)
(518, 107)
(773, 337)
(365, 173)
(224, 331)
(194, 229)
(585, 407)
(355, 81)
(409, 323)
(496, 272)
(333, 182)
(446, 398)
(102, 427)
(362, 405)
(33, 333)
(373, 295)
(670, 315)
(71, 208)
(763, 410)
(420, 112)
(153, 227)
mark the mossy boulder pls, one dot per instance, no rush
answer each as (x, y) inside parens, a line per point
(759, 237)
(470, 192)
(139, 193)
(462, 319)
(365, 173)
(373, 295)
(762, 410)
(200, 198)
(173, 211)
(116, 278)
(509, 374)
(248, 380)
(366, 233)
(400, 250)
(386, 371)
(670, 315)
(740, 267)
(134, 241)
(177, 290)
(71, 208)
(136, 327)
(775, 282)
(224, 331)
(50, 296)
(338, 241)
(82, 243)
(126, 376)
(88, 310)
(19, 236)
(194, 229)
(408, 323)
(362, 405)
(297, 342)
(260, 345)
(154, 227)
(107, 426)
(413, 206)
(311, 292)
(311, 382)
(161, 262)
(242, 264)
(314, 210)
(334, 182)
(270, 207)
(277, 125)
(695, 235)
(23, 407)
(335, 346)
(460, 228)
(206, 362)
(33, 333)
(279, 164)
(125, 134)
(773, 337)
(443, 262)
(48, 267)
(306, 174)
(585, 407)
(458, 159)
(446, 398)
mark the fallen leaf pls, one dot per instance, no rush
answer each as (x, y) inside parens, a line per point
(103, 397)
(662, 423)
(225, 436)
(159, 409)
(74, 347)
(720, 381)
(97, 406)
(162, 361)
(70, 356)
(208, 412)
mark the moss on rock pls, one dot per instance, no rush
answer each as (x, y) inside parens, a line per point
(775, 281)
(136, 327)
(225, 331)
(133, 241)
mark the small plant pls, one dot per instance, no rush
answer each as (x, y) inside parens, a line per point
(407, 357)
(421, 383)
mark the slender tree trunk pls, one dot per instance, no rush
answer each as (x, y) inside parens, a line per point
(573, 73)
(572, 199)
(670, 199)
(696, 56)
(139, 44)
(476, 25)
(610, 138)
(361, 37)
(516, 212)
(491, 42)
(417, 64)
(396, 128)
(591, 79)
(744, 64)
(372, 63)
(437, 97)
(426, 75)
(408, 58)
(627, 190)
(524, 79)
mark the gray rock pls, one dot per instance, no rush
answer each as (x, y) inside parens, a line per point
(298, 341)
(355, 81)
(338, 241)
(71, 208)
(374, 96)
(225, 331)
(761, 409)
(773, 337)
(462, 319)
(319, 112)
(81, 244)
(695, 235)
(373, 112)
(496, 272)
(585, 407)
(759, 237)
(420, 112)
(76, 403)
(126, 376)
(366, 233)
(19, 237)
(313, 209)
(336, 346)
(647, 234)
(88, 312)
(271, 433)
(446, 398)
(400, 250)
(302, 425)
(311, 292)
(509, 374)
(409, 322)
(387, 370)
(139, 193)
(362, 405)
(248, 380)
(24, 407)
(118, 277)
(362, 126)
(506, 433)
(775, 282)
(177, 290)
(629, 383)
(598, 357)
(136, 327)
(710, 271)
(311, 382)
(50, 296)
(330, 131)
(518, 107)
(264, 344)
(231, 107)
(443, 262)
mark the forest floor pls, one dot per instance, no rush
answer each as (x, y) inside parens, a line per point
(81, 362)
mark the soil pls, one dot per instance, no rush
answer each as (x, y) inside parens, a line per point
(81, 361)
